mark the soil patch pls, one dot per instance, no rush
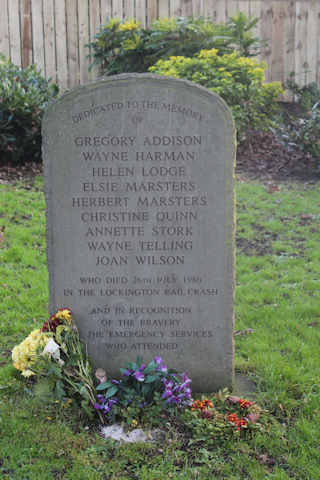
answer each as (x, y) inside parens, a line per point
(263, 156)
(12, 174)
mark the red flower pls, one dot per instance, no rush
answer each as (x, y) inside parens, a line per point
(51, 325)
(238, 422)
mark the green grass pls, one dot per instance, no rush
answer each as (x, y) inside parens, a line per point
(277, 295)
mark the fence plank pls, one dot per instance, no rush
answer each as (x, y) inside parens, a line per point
(164, 9)
(232, 7)
(255, 12)
(175, 8)
(300, 41)
(152, 11)
(277, 44)
(83, 25)
(289, 45)
(117, 9)
(26, 34)
(210, 10)
(186, 8)
(72, 43)
(106, 10)
(128, 9)
(95, 17)
(221, 11)
(49, 40)
(4, 29)
(141, 12)
(244, 6)
(61, 43)
(95, 22)
(38, 34)
(198, 8)
(14, 31)
(266, 35)
(311, 44)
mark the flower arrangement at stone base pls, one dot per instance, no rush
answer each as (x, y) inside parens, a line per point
(144, 394)
(221, 418)
(54, 354)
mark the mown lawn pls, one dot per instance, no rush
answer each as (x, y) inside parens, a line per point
(277, 312)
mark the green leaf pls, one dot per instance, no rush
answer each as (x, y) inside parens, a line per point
(151, 366)
(60, 392)
(146, 389)
(111, 392)
(152, 378)
(104, 385)
(84, 392)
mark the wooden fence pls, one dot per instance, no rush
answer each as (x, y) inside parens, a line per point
(53, 33)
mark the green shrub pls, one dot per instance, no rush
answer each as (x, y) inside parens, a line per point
(238, 28)
(305, 132)
(127, 47)
(306, 96)
(301, 127)
(238, 80)
(24, 94)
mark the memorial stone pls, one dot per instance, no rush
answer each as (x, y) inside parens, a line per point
(139, 194)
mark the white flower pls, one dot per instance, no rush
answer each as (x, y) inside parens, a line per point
(53, 350)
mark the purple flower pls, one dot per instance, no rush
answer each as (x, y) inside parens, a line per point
(185, 378)
(139, 375)
(176, 390)
(127, 372)
(166, 394)
(168, 383)
(115, 382)
(160, 366)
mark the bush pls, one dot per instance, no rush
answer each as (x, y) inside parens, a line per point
(304, 133)
(306, 96)
(301, 129)
(24, 94)
(127, 47)
(238, 80)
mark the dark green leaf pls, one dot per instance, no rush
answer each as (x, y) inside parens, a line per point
(104, 385)
(111, 392)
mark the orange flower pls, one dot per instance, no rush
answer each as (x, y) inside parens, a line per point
(245, 403)
(201, 404)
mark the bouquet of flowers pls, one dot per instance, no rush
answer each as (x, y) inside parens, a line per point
(55, 352)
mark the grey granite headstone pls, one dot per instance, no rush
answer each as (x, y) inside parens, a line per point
(139, 193)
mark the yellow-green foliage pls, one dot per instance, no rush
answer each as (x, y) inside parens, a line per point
(129, 47)
(238, 80)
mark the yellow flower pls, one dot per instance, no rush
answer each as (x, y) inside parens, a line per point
(64, 314)
(208, 53)
(24, 355)
(67, 403)
(134, 423)
(129, 25)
